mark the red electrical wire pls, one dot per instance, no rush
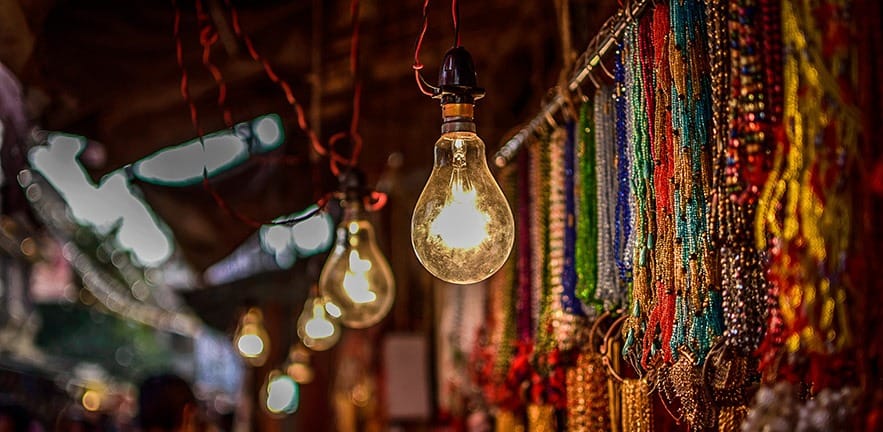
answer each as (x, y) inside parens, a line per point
(207, 38)
(417, 65)
(286, 88)
(336, 160)
(455, 15)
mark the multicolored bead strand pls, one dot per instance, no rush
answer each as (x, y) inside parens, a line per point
(587, 215)
(662, 314)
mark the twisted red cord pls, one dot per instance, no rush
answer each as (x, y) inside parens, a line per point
(419, 45)
(208, 36)
(286, 88)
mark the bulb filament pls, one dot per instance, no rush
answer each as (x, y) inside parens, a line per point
(355, 281)
(460, 224)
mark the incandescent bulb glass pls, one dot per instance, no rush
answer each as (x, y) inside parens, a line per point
(462, 228)
(356, 277)
(317, 329)
(251, 340)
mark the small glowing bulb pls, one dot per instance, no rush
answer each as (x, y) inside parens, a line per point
(462, 228)
(317, 329)
(250, 345)
(356, 277)
(91, 400)
(252, 340)
(298, 366)
(281, 394)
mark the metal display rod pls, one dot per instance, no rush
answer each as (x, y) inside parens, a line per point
(606, 38)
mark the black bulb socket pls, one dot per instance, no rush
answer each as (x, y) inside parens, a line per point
(457, 82)
(352, 185)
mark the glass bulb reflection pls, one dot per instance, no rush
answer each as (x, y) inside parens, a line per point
(251, 340)
(356, 277)
(462, 229)
(316, 328)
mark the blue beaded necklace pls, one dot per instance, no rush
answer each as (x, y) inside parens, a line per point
(623, 206)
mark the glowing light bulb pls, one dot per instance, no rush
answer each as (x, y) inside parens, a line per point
(252, 340)
(316, 328)
(356, 277)
(281, 394)
(91, 400)
(298, 367)
(462, 228)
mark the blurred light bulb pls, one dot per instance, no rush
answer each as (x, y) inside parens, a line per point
(356, 277)
(462, 228)
(281, 394)
(91, 400)
(298, 366)
(252, 340)
(317, 329)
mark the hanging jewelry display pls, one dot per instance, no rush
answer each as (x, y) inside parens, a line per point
(541, 418)
(568, 317)
(609, 292)
(743, 159)
(697, 308)
(778, 409)
(637, 413)
(587, 214)
(499, 348)
(622, 241)
(539, 222)
(511, 395)
(507, 421)
(547, 205)
(524, 300)
(804, 212)
(640, 166)
(660, 319)
(588, 403)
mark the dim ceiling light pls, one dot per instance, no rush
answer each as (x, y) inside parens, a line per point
(251, 340)
(316, 328)
(282, 394)
(91, 400)
(356, 276)
(462, 229)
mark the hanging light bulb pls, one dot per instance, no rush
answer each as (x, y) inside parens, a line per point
(356, 277)
(298, 366)
(280, 394)
(252, 340)
(317, 329)
(462, 228)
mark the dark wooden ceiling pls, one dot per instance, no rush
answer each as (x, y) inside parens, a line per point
(107, 69)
